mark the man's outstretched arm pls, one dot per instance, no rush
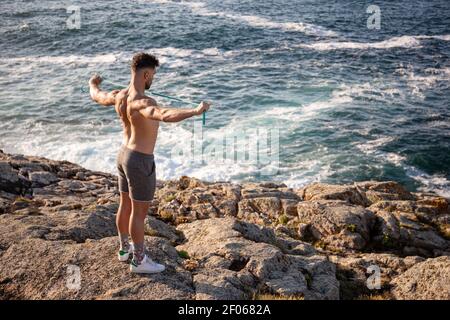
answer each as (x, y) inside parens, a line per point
(102, 97)
(149, 109)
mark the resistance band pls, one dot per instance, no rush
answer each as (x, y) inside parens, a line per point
(161, 95)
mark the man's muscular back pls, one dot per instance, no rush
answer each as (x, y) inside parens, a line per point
(143, 131)
(140, 115)
(120, 106)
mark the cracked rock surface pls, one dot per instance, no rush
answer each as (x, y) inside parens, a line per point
(218, 240)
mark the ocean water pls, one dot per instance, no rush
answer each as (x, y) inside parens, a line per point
(350, 103)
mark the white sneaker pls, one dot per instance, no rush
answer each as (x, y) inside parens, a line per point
(124, 255)
(147, 265)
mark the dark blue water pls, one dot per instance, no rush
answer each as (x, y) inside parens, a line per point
(349, 103)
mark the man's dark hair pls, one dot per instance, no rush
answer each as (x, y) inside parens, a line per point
(144, 60)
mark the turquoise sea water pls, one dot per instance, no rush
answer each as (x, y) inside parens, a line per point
(350, 103)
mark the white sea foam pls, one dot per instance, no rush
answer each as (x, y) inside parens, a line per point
(340, 97)
(372, 146)
(54, 141)
(445, 37)
(169, 57)
(211, 52)
(308, 171)
(26, 64)
(429, 183)
(157, 1)
(306, 28)
(69, 59)
(165, 52)
(173, 52)
(395, 42)
(419, 81)
(201, 9)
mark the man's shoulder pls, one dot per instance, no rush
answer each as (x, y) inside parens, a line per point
(151, 100)
(141, 101)
(120, 95)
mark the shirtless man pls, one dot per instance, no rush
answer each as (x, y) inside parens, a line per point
(140, 116)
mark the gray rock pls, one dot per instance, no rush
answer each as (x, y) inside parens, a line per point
(275, 272)
(267, 190)
(10, 181)
(74, 226)
(79, 226)
(323, 191)
(428, 280)
(295, 247)
(403, 230)
(80, 176)
(38, 269)
(189, 199)
(289, 207)
(354, 270)
(218, 284)
(254, 232)
(337, 224)
(72, 185)
(4, 205)
(375, 191)
(42, 178)
(157, 228)
(303, 231)
(260, 210)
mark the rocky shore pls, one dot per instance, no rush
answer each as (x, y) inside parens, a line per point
(219, 240)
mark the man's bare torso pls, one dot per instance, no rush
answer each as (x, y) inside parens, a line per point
(139, 133)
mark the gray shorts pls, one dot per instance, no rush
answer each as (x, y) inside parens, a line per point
(137, 174)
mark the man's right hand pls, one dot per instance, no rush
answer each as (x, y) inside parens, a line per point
(95, 80)
(202, 107)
